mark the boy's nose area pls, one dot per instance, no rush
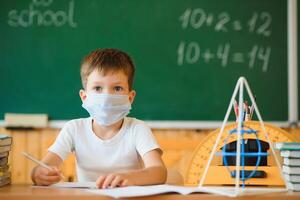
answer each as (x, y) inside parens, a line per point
(107, 91)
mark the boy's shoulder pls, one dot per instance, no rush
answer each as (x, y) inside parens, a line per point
(135, 123)
(77, 123)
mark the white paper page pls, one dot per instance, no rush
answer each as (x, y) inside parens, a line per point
(136, 191)
(75, 185)
(247, 190)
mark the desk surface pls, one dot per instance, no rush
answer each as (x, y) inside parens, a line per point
(26, 192)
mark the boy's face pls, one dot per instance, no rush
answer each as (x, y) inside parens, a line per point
(111, 83)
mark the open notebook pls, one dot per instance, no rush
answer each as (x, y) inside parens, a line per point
(137, 191)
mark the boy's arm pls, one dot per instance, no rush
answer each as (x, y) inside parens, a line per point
(42, 176)
(154, 172)
(52, 159)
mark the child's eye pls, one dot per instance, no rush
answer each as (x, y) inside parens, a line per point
(98, 88)
(118, 89)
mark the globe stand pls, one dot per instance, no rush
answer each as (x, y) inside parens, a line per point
(239, 174)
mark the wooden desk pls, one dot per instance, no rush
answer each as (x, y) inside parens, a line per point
(26, 192)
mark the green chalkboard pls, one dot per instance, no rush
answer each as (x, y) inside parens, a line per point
(188, 54)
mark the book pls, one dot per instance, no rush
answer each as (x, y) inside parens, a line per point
(135, 191)
(5, 140)
(4, 154)
(287, 145)
(131, 191)
(3, 161)
(5, 176)
(5, 182)
(294, 178)
(14, 120)
(289, 153)
(5, 148)
(291, 161)
(138, 191)
(290, 170)
(293, 186)
(4, 168)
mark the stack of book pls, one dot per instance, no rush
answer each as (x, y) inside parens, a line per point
(290, 151)
(5, 146)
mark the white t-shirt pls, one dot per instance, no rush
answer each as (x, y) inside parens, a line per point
(95, 156)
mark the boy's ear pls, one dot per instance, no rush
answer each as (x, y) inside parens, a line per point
(82, 95)
(131, 95)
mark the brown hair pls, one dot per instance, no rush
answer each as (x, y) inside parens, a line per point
(107, 60)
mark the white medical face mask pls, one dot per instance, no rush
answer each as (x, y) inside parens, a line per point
(107, 109)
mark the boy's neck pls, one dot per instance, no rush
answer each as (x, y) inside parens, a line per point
(106, 132)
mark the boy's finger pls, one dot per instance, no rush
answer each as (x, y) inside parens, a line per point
(108, 180)
(43, 170)
(124, 183)
(44, 183)
(116, 181)
(52, 172)
(47, 172)
(100, 181)
(51, 179)
(57, 169)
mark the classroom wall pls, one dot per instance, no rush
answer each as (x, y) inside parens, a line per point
(178, 146)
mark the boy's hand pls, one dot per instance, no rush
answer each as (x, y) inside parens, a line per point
(113, 180)
(43, 176)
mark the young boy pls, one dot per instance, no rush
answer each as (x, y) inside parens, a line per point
(110, 148)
